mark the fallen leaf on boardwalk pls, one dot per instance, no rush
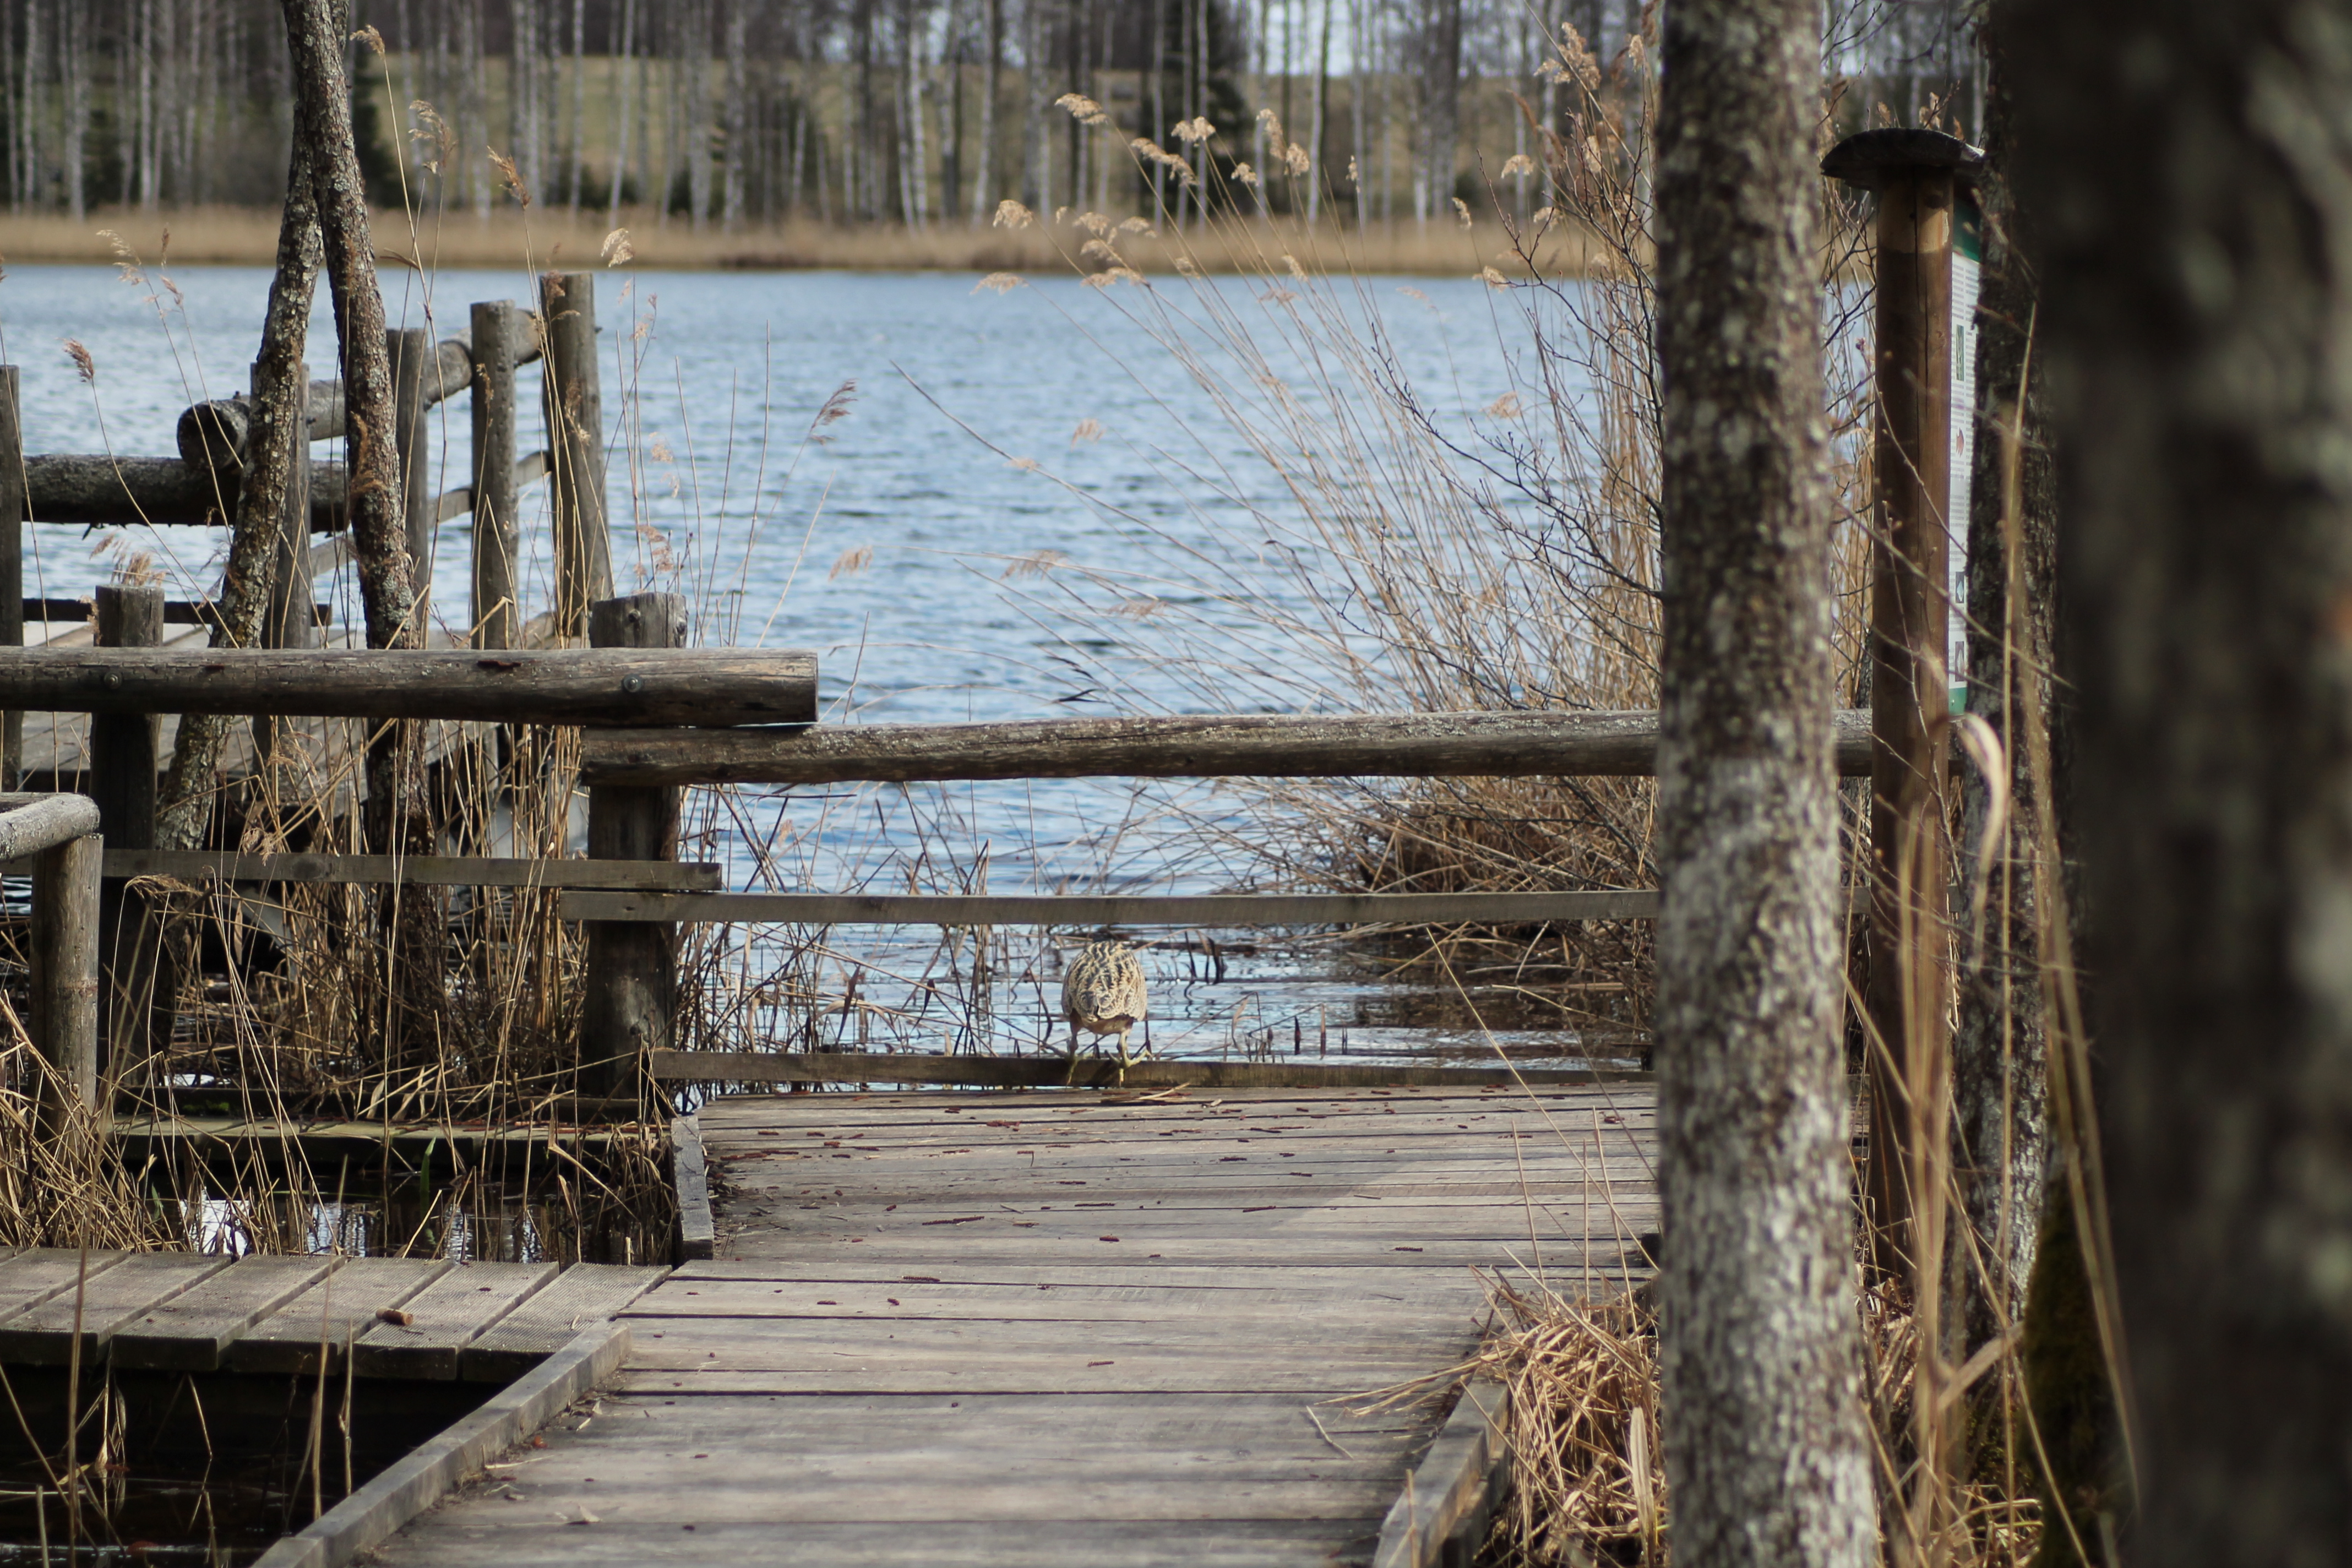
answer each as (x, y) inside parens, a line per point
(394, 1315)
(1105, 1239)
(1100, 1364)
(967, 1219)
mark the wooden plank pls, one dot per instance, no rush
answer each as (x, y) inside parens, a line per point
(43, 1335)
(12, 565)
(371, 1514)
(1449, 1296)
(517, 686)
(331, 1314)
(493, 1537)
(447, 1315)
(416, 871)
(32, 1275)
(1208, 745)
(582, 1296)
(99, 488)
(760, 1066)
(1441, 1515)
(191, 1331)
(573, 406)
(691, 1177)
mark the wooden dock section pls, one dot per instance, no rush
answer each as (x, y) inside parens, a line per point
(1068, 1328)
(409, 1318)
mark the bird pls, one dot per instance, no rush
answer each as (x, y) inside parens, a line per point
(1103, 994)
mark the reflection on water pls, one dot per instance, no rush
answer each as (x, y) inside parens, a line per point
(474, 1221)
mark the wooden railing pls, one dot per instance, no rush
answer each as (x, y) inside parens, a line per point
(59, 835)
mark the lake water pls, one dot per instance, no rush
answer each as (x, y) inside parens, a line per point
(1030, 507)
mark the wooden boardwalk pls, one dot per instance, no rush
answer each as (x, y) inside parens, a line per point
(1062, 1327)
(409, 1318)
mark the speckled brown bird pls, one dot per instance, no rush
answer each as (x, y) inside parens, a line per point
(1103, 994)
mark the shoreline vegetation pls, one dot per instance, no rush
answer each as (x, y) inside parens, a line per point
(224, 236)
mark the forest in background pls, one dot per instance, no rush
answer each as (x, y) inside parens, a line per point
(734, 114)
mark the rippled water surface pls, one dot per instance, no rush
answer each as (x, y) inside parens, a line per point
(934, 546)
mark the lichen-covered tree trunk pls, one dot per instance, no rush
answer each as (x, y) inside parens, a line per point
(2188, 170)
(1766, 1449)
(398, 815)
(279, 432)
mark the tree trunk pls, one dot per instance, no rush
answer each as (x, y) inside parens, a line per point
(1767, 1453)
(398, 814)
(2185, 165)
(1767, 1456)
(276, 434)
(2000, 1044)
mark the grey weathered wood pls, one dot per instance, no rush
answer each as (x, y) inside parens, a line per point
(414, 362)
(460, 501)
(1216, 745)
(64, 962)
(190, 1331)
(691, 1177)
(330, 1314)
(43, 1335)
(436, 871)
(450, 1313)
(12, 563)
(213, 434)
(497, 541)
(122, 781)
(30, 824)
(631, 980)
(1091, 1072)
(98, 489)
(176, 611)
(575, 434)
(34, 1275)
(560, 685)
(1441, 1516)
(575, 1301)
(1086, 910)
(371, 1514)
(290, 619)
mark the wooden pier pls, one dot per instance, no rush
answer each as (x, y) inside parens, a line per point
(1069, 1328)
(411, 1318)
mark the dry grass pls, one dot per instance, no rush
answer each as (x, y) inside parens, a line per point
(249, 236)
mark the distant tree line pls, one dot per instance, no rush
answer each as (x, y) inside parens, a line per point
(917, 111)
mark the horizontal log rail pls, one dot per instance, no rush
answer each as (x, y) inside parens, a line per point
(94, 489)
(1091, 1072)
(208, 431)
(177, 613)
(1085, 910)
(31, 824)
(412, 871)
(460, 501)
(1388, 745)
(510, 685)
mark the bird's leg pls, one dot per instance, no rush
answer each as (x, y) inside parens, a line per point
(1073, 1078)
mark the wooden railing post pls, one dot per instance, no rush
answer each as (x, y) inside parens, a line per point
(632, 970)
(65, 971)
(576, 442)
(1918, 176)
(414, 357)
(11, 565)
(122, 778)
(287, 620)
(496, 541)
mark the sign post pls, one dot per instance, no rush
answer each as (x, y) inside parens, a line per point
(1925, 372)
